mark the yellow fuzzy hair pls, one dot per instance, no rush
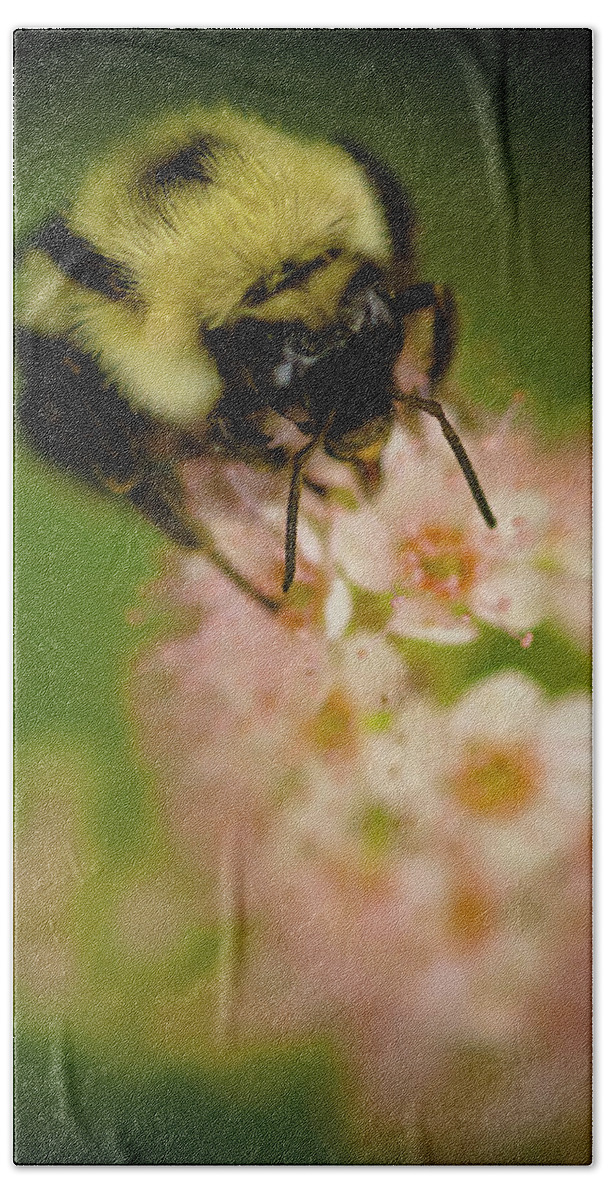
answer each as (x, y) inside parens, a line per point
(195, 251)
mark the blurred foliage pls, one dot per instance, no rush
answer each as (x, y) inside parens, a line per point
(74, 1108)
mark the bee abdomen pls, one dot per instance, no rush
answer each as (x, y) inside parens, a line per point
(71, 418)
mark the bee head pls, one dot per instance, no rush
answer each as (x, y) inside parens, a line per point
(337, 377)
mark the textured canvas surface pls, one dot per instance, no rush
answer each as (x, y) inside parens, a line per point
(305, 882)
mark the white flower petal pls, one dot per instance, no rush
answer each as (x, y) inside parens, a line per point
(523, 512)
(373, 673)
(565, 743)
(308, 543)
(426, 619)
(571, 607)
(506, 707)
(514, 598)
(360, 546)
(338, 609)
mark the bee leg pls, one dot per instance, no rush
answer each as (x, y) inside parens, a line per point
(433, 407)
(74, 421)
(207, 546)
(319, 489)
(156, 494)
(159, 497)
(441, 300)
(444, 333)
(421, 296)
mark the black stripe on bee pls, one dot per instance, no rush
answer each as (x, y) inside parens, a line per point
(80, 261)
(290, 275)
(193, 163)
(392, 194)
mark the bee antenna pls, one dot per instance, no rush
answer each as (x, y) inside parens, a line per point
(433, 407)
(291, 527)
(293, 504)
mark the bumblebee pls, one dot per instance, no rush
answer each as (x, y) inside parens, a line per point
(211, 273)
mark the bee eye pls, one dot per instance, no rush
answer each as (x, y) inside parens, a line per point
(299, 352)
(306, 343)
(365, 304)
(269, 355)
(282, 375)
(368, 276)
(377, 309)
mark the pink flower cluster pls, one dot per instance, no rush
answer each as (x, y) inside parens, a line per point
(425, 544)
(421, 547)
(410, 877)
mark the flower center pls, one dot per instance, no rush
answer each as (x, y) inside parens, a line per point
(496, 782)
(380, 831)
(334, 727)
(439, 560)
(470, 916)
(304, 604)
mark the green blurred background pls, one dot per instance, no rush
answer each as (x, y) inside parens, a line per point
(491, 132)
